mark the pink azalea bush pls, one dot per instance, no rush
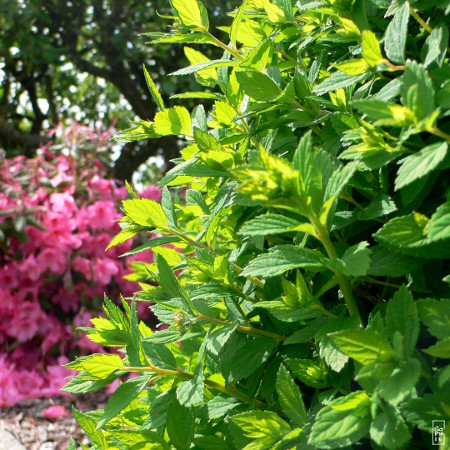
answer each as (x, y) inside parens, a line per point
(57, 216)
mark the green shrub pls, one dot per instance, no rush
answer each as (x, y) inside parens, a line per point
(307, 295)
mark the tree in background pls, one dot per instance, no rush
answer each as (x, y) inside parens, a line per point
(61, 59)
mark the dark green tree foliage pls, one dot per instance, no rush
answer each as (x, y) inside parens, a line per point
(310, 292)
(83, 59)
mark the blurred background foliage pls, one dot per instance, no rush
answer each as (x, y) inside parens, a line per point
(82, 60)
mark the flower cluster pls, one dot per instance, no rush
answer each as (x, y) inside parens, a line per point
(57, 216)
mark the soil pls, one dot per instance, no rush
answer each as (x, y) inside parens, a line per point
(27, 423)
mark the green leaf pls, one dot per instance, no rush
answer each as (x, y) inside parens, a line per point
(155, 242)
(294, 438)
(389, 430)
(420, 164)
(396, 34)
(153, 90)
(402, 316)
(387, 263)
(83, 383)
(125, 235)
(197, 95)
(133, 347)
(439, 224)
(285, 313)
(327, 351)
(72, 445)
(267, 224)
(354, 262)
(371, 48)
(258, 58)
(255, 353)
(168, 280)
(263, 428)
(145, 212)
(401, 382)
(236, 22)
(180, 425)
(339, 80)
(164, 336)
(436, 45)
(257, 85)
(339, 180)
(173, 121)
(435, 314)
(290, 397)
(417, 77)
(218, 338)
(218, 407)
(282, 258)
(440, 350)
(99, 366)
(190, 392)
(310, 372)
(122, 397)
(89, 426)
(189, 13)
(130, 190)
(343, 422)
(159, 355)
(168, 208)
(202, 66)
(363, 346)
(379, 206)
(406, 234)
(422, 411)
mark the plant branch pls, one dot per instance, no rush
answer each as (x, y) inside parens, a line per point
(324, 237)
(248, 329)
(232, 391)
(420, 20)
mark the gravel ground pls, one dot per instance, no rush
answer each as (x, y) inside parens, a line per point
(27, 423)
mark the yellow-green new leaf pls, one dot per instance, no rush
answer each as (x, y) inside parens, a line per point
(99, 366)
(173, 121)
(145, 212)
(353, 67)
(371, 48)
(125, 235)
(190, 13)
(153, 90)
(236, 22)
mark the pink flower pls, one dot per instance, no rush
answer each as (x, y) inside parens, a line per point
(102, 215)
(152, 192)
(63, 203)
(25, 322)
(52, 259)
(55, 412)
(9, 393)
(30, 268)
(104, 270)
(8, 277)
(100, 184)
(82, 265)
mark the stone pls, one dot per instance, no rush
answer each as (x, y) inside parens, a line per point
(8, 441)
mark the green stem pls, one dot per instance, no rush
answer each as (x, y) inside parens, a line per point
(420, 20)
(255, 280)
(440, 133)
(190, 241)
(188, 376)
(227, 48)
(248, 329)
(346, 289)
